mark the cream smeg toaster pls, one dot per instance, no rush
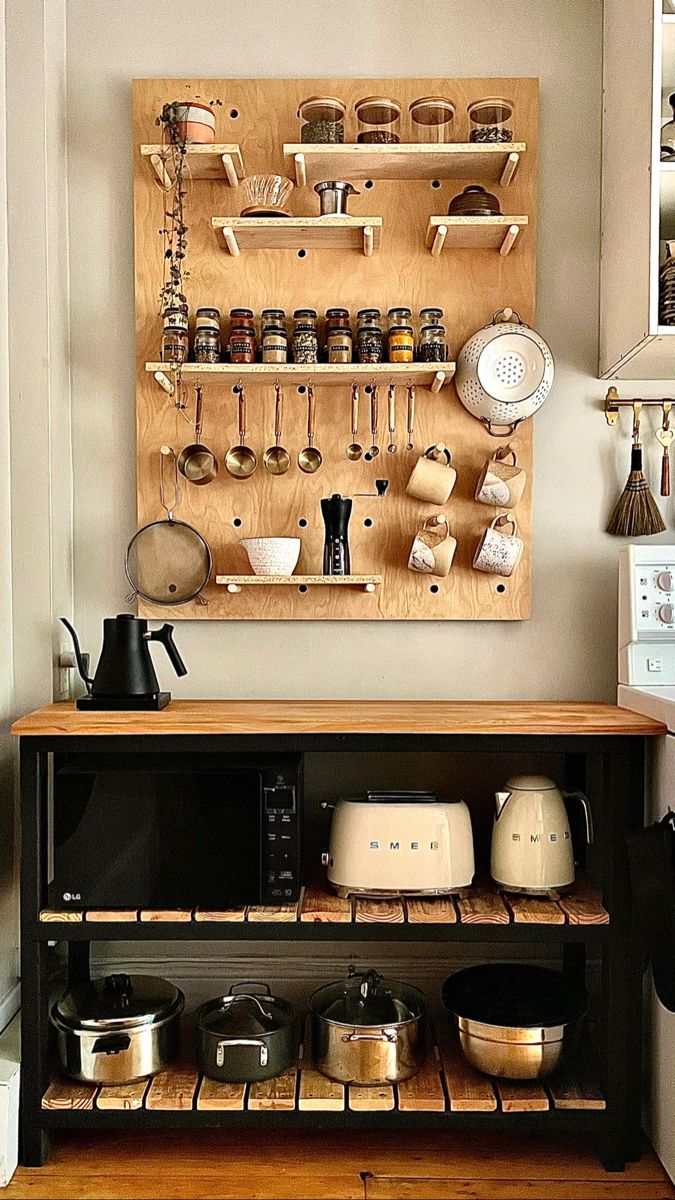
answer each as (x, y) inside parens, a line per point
(400, 843)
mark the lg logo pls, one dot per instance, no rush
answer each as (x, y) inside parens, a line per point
(72, 896)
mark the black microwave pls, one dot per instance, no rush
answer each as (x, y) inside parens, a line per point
(169, 831)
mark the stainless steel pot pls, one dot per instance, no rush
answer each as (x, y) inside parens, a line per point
(118, 1029)
(334, 195)
(243, 1037)
(367, 1030)
(514, 1020)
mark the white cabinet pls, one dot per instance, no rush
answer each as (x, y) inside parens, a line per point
(638, 190)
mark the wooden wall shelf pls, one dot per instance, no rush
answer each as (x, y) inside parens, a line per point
(234, 583)
(222, 162)
(474, 233)
(300, 233)
(309, 164)
(424, 375)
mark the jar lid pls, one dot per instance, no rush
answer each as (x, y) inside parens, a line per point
(241, 312)
(337, 312)
(273, 312)
(491, 111)
(368, 312)
(435, 311)
(174, 308)
(175, 329)
(399, 310)
(432, 110)
(322, 108)
(242, 329)
(305, 312)
(368, 329)
(436, 328)
(210, 312)
(276, 329)
(400, 329)
(377, 110)
(118, 1001)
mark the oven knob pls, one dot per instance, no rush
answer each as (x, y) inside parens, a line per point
(325, 859)
(664, 580)
(666, 614)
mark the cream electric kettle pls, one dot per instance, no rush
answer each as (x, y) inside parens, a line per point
(531, 841)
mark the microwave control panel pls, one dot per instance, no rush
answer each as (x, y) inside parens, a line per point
(280, 858)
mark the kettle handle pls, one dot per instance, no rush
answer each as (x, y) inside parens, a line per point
(588, 816)
(88, 679)
(165, 636)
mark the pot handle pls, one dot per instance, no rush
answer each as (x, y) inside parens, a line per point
(509, 429)
(588, 816)
(114, 1044)
(250, 983)
(220, 1049)
(386, 1036)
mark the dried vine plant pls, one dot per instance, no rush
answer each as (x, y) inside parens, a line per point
(175, 230)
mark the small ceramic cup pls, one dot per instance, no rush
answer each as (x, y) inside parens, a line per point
(501, 483)
(498, 551)
(433, 548)
(432, 478)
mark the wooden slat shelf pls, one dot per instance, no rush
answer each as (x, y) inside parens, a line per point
(480, 905)
(234, 583)
(493, 163)
(300, 233)
(475, 233)
(423, 375)
(446, 1084)
(219, 161)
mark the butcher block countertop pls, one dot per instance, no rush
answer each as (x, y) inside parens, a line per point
(501, 717)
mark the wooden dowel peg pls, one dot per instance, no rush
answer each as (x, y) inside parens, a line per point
(439, 240)
(164, 382)
(300, 171)
(438, 381)
(369, 587)
(510, 168)
(231, 242)
(368, 241)
(233, 587)
(160, 171)
(509, 240)
(230, 170)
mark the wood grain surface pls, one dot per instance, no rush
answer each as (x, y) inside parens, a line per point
(469, 286)
(496, 717)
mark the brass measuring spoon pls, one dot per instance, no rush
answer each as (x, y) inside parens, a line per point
(354, 450)
(411, 416)
(391, 407)
(240, 461)
(310, 459)
(374, 420)
(276, 459)
(665, 436)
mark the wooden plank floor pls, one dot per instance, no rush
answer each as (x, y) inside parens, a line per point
(222, 1165)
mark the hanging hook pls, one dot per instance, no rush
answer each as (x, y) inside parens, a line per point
(667, 405)
(637, 409)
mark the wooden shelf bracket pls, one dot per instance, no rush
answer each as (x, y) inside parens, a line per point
(510, 168)
(439, 240)
(300, 171)
(164, 382)
(230, 170)
(509, 240)
(231, 242)
(368, 241)
(157, 163)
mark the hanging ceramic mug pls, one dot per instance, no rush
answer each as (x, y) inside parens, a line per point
(501, 482)
(432, 478)
(433, 548)
(498, 552)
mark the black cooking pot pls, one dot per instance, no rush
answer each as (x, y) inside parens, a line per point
(244, 1037)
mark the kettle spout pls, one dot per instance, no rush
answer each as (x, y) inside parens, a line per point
(500, 801)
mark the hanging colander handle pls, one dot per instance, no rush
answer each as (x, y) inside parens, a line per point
(507, 314)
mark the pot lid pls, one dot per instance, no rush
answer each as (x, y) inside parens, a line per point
(530, 783)
(119, 1001)
(514, 995)
(368, 999)
(244, 1015)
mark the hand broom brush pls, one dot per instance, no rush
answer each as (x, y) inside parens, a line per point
(636, 513)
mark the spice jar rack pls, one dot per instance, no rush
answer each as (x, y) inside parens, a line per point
(410, 183)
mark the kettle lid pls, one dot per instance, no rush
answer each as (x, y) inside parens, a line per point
(530, 783)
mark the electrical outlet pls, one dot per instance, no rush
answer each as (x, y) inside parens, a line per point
(66, 663)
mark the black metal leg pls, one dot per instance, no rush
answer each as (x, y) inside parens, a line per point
(78, 963)
(34, 954)
(611, 1152)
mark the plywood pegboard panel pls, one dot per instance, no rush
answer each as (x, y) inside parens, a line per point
(470, 285)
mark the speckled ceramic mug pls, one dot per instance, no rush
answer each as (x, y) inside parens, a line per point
(501, 483)
(498, 552)
(433, 548)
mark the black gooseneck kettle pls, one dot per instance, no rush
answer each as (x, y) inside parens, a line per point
(125, 676)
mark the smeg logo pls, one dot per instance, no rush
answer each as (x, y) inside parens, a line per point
(396, 846)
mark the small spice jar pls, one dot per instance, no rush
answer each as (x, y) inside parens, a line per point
(274, 344)
(431, 316)
(379, 120)
(272, 318)
(401, 344)
(489, 120)
(242, 344)
(323, 119)
(339, 345)
(337, 318)
(174, 344)
(207, 318)
(399, 316)
(176, 317)
(305, 316)
(368, 318)
(305, 341)
(242, 318)
(432, 347)
(432, 118)
(207, 345)
(369, 344)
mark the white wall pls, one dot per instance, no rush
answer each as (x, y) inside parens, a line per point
(568, 647)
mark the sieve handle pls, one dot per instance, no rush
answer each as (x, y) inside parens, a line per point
(167, 453)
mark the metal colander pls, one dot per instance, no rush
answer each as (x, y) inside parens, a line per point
(504, 373)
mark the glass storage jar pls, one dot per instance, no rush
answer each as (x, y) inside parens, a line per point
(490, 119)
(323, 119)
(337, 318)
(176, 317)
(401, 344)
(339, 345)
(242, 344)
(306, 316)
(207, 345)
(242, 318)
(272, 318)
(207, 318)
(379, 120)
(431, 316)
(174, 345)
(432, 118)
(305, 342)
(369, 344)
(274, 344)
(399, 316)
(368, 317)
(432, 347)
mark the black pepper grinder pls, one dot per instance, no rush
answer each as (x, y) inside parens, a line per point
(336, 511)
